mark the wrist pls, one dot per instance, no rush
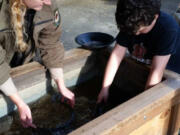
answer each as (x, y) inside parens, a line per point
(17, 100)
(56, 73)
(60, 84)
(105, 89)
(20, 105)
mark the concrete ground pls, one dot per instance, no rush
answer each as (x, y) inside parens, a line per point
(79, 16)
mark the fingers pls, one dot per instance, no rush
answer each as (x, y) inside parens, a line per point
(33, 125)
(29, 120)
(23, 123)
(67, 94)
(26, 120)
(71, 100)
(27, 123)
(99, 99)
(62, 99)
(102, 97)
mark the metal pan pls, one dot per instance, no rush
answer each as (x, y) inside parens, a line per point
(94, 40)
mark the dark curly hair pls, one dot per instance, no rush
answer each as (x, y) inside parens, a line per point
(131, 14)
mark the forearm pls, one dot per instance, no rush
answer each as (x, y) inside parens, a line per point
(10, 90)
(17, 100)
(113, 65)
(157, 69)
(111, 69)
(8, 87)
(154, 78)
(57, 75)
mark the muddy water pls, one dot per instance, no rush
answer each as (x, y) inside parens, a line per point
(49, 111)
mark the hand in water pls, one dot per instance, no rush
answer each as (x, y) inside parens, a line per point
(25, 116)
(103, 95)
(66, 93)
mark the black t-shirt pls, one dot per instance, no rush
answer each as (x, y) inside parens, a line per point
(163, 39)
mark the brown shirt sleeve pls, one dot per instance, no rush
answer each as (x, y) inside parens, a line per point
(4, 67)
(52, 50)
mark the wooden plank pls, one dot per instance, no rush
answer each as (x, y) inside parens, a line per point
(83, 61)
(130, 115)
(75, 54)
(136, 121)
(33, 73)
(175, 120)
(149, 112)
(29, 79)
(28, 75)
(156, 126)
(26, 68)
(70, 57)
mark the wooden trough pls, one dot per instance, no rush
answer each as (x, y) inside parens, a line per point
(152, 112)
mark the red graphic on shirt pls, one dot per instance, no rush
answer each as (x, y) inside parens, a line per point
(139, 51)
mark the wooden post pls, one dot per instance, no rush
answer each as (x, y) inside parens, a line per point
(175, 120)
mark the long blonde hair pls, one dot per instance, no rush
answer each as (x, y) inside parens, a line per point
(18, 10)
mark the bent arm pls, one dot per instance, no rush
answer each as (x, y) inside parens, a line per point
(157, 69)
(6, 83)
(51, 49)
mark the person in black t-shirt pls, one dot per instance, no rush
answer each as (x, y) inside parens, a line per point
(150, 35)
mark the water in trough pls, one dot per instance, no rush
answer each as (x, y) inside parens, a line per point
(53, 117)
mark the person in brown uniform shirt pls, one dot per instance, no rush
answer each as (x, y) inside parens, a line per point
(45, 18)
